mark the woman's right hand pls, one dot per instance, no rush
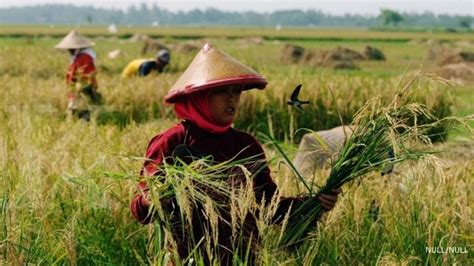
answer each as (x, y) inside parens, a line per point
(145, 199)
(329, 201)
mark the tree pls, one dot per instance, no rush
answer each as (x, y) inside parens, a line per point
(390, 17)
(465, 22)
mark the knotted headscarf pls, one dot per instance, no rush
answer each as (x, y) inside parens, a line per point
(196, 110)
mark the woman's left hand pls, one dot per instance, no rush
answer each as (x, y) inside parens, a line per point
(329, 201)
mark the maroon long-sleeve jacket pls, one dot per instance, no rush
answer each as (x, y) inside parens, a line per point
(222, 147)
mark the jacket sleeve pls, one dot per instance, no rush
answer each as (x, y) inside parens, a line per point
(265, 188)
(263, 184)
(71, 73)
(160, 147)
(140, 211)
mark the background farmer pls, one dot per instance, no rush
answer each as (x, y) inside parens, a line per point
(206, 97)
(81, 74)
(143, 67)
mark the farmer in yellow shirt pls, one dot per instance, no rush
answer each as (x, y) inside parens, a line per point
(143, 67)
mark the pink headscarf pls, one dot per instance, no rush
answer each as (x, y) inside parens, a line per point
(196, 109)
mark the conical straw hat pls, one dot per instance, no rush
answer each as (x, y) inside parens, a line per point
(74, 41)
(318, 147)
(335, 138)
(213, 68)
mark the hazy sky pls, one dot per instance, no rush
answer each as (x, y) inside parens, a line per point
(461, 7)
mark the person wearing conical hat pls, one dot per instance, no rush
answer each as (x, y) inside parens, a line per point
(81, 74)
(143, 67)
(206, 98)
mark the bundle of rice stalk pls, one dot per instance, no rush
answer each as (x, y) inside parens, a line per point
(190, 184)
(379, 130)
(200, 184)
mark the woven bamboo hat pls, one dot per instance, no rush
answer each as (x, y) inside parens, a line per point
(74, 41)
(213, 68)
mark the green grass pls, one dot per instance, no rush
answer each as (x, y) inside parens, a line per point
(61, 205)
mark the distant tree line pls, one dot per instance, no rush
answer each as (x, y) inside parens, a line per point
(154, 15)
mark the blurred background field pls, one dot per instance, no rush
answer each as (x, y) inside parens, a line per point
(61, 204)
(286, 33)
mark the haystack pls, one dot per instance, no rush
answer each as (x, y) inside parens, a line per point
(151, 47)
(464, 44)
(462, 73)
(138, 37)
(188, 48)
(312, 58)
(437, 52)
(445, 55)
(344, 54)
(458, 57)
(292, 53)
(250, 41)
(336, 59)
(372, 53)
(344, 64)
(416, 41)
(255, 40)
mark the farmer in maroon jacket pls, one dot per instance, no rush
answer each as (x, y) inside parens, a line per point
(206, 98)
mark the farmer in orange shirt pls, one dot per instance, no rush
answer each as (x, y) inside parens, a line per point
(81, 74)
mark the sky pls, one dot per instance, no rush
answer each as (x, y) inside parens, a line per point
(336, 7)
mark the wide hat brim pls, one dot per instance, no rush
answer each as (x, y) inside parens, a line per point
(74, 41)
(213, 68)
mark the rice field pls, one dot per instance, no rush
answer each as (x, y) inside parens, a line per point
(66, 184)
(285, 33)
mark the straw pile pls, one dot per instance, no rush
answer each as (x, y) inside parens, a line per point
(462, 73)
(292, 53)
(452, 63)
(372, 53)
(151, 46)
(337, 58)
